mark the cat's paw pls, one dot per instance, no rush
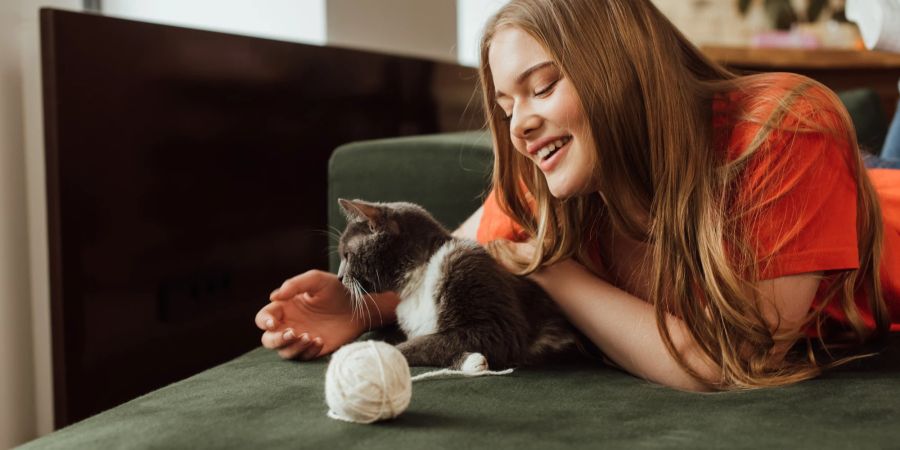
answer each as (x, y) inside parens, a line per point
(474, 363)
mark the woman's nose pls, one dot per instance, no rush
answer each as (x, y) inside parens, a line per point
(524, 123)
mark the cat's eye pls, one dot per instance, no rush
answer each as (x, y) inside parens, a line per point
(372, 227)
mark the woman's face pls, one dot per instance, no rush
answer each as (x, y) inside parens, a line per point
(546, 121)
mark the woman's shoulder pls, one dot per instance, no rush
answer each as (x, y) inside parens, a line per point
(775, 110)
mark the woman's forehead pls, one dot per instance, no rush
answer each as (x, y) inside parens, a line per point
(512, 52)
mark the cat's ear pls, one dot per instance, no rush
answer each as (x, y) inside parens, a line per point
(358, 209)
(370, 212)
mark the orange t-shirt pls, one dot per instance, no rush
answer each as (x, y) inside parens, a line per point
(803, 185)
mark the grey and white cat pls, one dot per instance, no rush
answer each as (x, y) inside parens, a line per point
(456, 301)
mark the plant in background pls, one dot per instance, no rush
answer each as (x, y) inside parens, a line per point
(782, 14)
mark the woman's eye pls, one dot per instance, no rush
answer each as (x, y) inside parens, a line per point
(546, 90)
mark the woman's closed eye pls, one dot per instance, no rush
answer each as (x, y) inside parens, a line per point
(545, 91)
(540, 93)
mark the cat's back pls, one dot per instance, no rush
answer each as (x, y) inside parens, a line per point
(467, 258)
(470, 271)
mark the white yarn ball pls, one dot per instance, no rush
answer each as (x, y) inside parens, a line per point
(367, 382)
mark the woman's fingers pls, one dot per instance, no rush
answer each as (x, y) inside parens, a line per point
(275, 339)
(269, 316)
(311, 352)
(310, 281)
(304, 348)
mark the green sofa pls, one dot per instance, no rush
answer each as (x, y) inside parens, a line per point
(259, 401)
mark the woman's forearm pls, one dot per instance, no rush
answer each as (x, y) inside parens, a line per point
(383, 311)
(624, 327)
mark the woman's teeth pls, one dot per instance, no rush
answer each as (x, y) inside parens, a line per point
(550, 148)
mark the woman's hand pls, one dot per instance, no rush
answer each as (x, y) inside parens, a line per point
(309, 316)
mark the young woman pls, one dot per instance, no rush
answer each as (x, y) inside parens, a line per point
(698, 227)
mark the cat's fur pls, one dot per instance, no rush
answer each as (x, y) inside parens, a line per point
(455, 299)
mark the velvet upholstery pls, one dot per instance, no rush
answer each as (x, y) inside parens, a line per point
(260, 401)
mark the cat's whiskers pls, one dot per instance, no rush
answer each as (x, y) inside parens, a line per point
(355, 295)
(374, 303)
(351, 289)
(362, 298)
(335, 231)
(334, 235)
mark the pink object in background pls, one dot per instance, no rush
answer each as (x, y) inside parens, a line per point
(785, 39)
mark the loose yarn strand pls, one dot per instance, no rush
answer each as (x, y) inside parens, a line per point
(450, 373)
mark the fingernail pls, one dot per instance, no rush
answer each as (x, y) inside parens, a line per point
(304, 338)
(288, 335)
(273, 293)
(270, 323)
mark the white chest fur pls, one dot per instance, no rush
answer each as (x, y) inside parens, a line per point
(417, 312)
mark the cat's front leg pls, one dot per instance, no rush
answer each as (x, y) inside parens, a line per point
(431, 350)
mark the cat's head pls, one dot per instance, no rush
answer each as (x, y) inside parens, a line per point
(383, 242)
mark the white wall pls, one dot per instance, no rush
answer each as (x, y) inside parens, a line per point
(289, 20)
(471, 17)
(26, 408)
(422, 28)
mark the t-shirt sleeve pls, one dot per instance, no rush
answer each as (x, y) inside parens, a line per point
(497, 225)
(799, 201)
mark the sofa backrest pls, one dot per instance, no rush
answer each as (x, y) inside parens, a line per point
(448, 174)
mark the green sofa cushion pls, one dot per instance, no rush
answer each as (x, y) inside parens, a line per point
(868, 116)
(260, 401)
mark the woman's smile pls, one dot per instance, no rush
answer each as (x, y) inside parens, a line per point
(549, 156)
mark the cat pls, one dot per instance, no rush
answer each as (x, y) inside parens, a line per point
(458, 305)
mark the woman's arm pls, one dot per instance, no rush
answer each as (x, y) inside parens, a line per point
(469, 228)
(624, 326)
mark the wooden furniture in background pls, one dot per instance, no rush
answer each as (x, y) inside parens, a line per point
(837, 69)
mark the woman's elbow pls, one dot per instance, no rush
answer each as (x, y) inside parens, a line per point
(703, 375)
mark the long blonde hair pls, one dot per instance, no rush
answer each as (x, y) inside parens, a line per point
(648, 94)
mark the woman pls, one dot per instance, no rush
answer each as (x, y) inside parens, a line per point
(693, 224)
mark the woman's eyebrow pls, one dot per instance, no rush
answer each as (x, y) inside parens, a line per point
(526, 73)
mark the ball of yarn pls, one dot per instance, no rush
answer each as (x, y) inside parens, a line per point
(367, 382)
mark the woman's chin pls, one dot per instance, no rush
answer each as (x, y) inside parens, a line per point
(562, 192)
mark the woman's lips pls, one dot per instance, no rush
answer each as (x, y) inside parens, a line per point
(551, 162)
